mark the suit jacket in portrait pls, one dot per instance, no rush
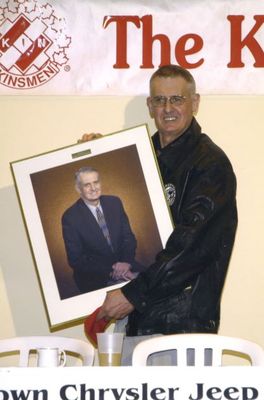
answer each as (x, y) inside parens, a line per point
(87, 250)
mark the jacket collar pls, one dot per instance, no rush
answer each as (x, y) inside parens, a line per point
(174, 153)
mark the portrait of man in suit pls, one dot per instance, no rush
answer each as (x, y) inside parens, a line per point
(99, 242)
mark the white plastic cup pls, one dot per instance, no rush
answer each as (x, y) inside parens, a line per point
(110, 349)
(51, 357)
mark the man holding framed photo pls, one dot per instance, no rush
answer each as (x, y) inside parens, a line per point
(181, 291)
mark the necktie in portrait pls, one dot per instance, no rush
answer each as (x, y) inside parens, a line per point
(102, 223)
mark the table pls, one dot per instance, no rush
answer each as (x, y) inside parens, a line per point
(132, 383)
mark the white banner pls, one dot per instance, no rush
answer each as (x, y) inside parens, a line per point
(128, 383)
(90, 47)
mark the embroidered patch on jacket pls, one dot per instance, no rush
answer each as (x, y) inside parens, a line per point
(170, 193)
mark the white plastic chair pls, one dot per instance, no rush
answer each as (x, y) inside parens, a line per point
(25, 345)
(206, 349)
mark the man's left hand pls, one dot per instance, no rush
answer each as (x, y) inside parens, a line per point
(115, 306)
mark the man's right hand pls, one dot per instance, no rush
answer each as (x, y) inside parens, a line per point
(115, 306)
(86, 137)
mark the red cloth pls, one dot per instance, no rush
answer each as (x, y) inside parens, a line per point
(92, 326)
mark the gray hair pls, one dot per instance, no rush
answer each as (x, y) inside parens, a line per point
(82, 170)
(172, 71)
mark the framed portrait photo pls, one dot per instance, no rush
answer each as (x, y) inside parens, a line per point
(81, 252)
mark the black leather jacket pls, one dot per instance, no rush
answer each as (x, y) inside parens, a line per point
(181, 291)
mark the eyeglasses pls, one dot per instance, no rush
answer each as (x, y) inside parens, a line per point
(161, 101)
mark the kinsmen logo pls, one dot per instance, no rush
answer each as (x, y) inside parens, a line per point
(33, 44)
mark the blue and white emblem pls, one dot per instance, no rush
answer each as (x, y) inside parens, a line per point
(170, 193)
